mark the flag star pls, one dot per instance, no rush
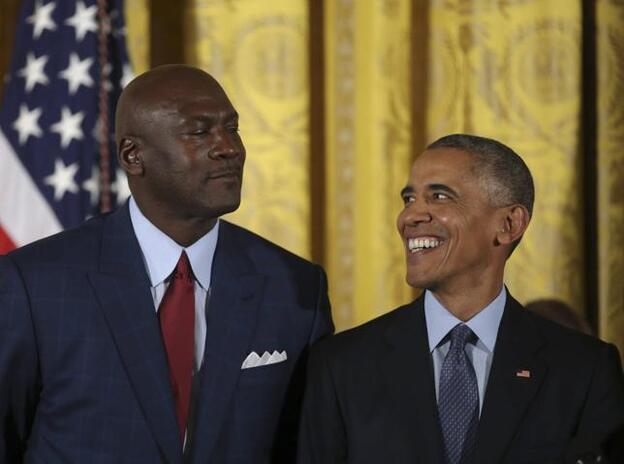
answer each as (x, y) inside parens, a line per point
(120, 186)
(68, 127)
(127, 75)
(63, 179)
(41, 18)
(83, 20)
(33, 71)
(77, 73)
(27, 123)
(92, 185)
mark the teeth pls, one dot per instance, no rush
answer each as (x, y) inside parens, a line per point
(415, 244)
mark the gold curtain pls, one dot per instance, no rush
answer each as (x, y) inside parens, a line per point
(508, 69)
(136, 14)
(368, 123)
(610, 64)
(259, 52)
(511, 71)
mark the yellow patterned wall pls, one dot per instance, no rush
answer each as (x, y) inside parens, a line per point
(506, 69)
(610, 61)
(511, 70)
(259, 53)
(368, 124)
(136, 14)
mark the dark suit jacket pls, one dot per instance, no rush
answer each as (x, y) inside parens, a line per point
(370, 396)
(83, 372)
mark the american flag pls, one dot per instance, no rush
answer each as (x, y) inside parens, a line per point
(57, 155)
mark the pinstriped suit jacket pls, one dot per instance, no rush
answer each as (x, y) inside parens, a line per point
(83, 373)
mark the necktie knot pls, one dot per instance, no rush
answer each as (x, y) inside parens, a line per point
(460, 335)
(183, 269)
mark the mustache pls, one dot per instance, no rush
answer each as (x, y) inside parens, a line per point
(226, 171)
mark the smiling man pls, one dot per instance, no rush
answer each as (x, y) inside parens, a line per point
(463, 374)
(159, 333)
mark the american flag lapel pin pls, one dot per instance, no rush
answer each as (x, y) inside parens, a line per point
(523, 373)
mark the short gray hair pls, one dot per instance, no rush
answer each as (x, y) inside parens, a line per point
(508, 179)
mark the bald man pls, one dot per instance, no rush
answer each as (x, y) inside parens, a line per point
(159, 333)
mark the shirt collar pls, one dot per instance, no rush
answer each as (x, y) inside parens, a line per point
(484, 324)
(161, 253)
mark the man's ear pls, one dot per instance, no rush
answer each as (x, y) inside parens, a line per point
(513, 222)
(129, 154)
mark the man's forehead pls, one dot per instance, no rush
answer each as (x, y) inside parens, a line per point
(443, 162)
(187, 104)
(441, 167)
(201, 103)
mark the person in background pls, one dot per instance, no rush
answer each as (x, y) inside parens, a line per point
(561, 313)
(159, 333)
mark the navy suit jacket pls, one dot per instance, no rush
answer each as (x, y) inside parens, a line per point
(371, 394)
(83, 372)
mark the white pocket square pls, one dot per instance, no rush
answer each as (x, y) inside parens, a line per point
(253, 360)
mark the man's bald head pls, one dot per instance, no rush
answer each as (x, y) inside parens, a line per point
(158, 89)
(178, 142)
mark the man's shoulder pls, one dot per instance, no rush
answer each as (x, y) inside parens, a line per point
(262, 249)
(76, 244)
(369, 336)
(567, 345)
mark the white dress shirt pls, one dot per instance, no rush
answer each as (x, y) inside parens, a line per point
(440, 321)
(161, 254)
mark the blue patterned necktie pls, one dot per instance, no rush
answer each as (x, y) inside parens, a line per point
(458, 399)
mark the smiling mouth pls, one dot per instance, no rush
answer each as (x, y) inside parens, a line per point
(419, 244)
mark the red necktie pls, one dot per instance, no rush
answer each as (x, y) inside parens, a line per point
(177, 324)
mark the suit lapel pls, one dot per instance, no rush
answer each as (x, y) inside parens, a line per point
(235, 296)
(122, 288)
(408, 372)
(508, 394)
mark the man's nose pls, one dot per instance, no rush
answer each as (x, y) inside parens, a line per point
(415, 212)
(226, 144)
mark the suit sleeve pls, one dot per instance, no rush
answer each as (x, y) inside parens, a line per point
(19, 384)
(603, 412)
(285, 448)
(322, 434)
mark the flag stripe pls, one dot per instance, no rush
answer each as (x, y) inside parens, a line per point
(57, 99)
(6, 244)
(20, 195)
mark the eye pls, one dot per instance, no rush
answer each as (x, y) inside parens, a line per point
(440, 196)
(408, 199)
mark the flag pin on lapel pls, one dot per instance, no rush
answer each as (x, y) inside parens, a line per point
(523, 373)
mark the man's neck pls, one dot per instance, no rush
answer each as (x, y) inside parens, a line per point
(183, 230)
(467, 303)
(186, 232)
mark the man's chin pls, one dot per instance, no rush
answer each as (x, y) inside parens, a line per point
(224, 208)
(417, 280)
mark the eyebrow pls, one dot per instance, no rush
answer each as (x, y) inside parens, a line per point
(408, 189)
(443, 188)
